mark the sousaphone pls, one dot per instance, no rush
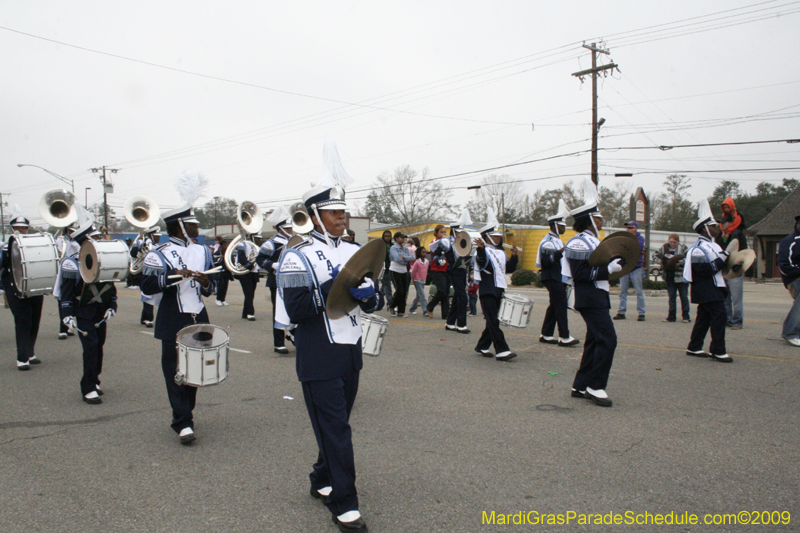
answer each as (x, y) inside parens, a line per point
(620, 244)
(143, 213)
(367, 262)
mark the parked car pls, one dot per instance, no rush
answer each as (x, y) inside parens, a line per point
(654, 267)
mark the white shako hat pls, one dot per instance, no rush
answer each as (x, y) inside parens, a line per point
(704, 215)
(329, 192)
(191, 185)
(85, 224)
(561, 216)
(589, 206)
(492, 225)
(463, 221)
(18, 219)
(280, 217)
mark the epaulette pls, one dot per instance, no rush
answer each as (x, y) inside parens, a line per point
(70, 269)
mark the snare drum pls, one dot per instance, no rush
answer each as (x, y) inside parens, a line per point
(202, 355)
(373, 328)
(515, 310)
(104, 261)
(34, 263)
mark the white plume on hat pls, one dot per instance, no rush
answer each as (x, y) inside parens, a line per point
(191, 185)
(704, 214)
(561, 214)
(491, 222)
(464, 220)
(590, 198)
(333, 172)
(279, 215)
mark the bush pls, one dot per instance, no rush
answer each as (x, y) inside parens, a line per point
(525, 277)
(654, 285)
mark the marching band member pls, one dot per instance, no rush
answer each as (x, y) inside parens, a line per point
(548, 259)
(591, 300)
(67, 248)
(459, 276)
(703, 269)
(244, 250)
(151, 238)
(401, 257)
(179, 304)
(27, 311)
(439, 271)
(490, 273)
(329, 354)
(86, 307)
(268, 256)
(222, 277)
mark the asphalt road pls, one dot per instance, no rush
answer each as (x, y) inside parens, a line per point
(441, 434)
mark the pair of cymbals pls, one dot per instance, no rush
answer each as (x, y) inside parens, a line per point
(621, 244)
(367, 262)
(672, 262)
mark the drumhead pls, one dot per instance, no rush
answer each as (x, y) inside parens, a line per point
(202, 336)
(374, 318)
(17, 266)
(516, 298)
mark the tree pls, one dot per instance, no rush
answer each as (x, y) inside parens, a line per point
(223, 210)
(405, 198)
(615, 204)
(502, 194)
(726, 188)
(542, 204)
(671, 210)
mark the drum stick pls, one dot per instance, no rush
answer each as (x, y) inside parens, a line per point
(83, 333)
(177, 276)
(100, 323)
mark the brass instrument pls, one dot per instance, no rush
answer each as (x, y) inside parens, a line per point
(619, 244)
(250, 221)
(301, 221)
(367, 262)
(57, 208)
(143, 213)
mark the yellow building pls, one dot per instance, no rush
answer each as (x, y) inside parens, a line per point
(526, 238)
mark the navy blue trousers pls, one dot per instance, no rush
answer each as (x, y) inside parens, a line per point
(329, 403)
(222, 286)
(27, 315)
(458, 310)
(598, 349)
(710, 316)
(492, 334)
(92, 345)
(557, 310)
(182, 398)
(441, 280)
(249, 283)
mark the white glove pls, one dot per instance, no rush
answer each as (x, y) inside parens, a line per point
(109, 314)
(70, 322)
(273, 267)
(442, 262)
(615, 266)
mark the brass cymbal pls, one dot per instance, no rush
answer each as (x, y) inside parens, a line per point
(673, 261)
(740, 257)
(619, 244)
(368, 262)
(294, 241)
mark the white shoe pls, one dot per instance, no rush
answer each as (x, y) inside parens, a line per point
(92, 398)
(251, 318)
(187, 435)
(62, 336)
(224, 303)
(793, 342)
(414, 312)
(220, 304)
(23, 366)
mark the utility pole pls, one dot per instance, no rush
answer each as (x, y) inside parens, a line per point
(103, 169)
(594, 71)
(2, 215)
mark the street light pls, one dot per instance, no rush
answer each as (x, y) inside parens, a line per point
(86, 196)
(62, 178)
(215, 215)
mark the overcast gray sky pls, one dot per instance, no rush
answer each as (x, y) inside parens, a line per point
(247, 91)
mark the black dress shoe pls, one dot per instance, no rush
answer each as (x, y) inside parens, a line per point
(619, 316)
(356, 525)
(573, 342)
(33, 360)
(465, 330)
(578, 394)
(602, 402)
(724, 358)
(70, 334)
(281, 350)
(315, 494)
(508, 357)
(487, 353)
(551, 340)
(699, 353)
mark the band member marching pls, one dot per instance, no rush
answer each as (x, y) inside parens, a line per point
(703, 269)
(151, 238)
(548, 259)
(329, 356)
(458, 268)
(86, 307)
(591, 300)
(179, 303)
(491, 268)
(27, 311)
(67, 248)
(246, 252)
(268, 256)
(441, 249)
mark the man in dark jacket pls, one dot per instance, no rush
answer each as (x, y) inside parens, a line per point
(789, 263)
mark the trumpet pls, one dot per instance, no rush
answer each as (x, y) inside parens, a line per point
(250, 221)
(143, 213)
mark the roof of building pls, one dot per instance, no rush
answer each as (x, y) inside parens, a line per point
(779, 221)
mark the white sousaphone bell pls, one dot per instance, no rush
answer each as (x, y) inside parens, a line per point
(250, 220)
(143, 213)
(57, 208)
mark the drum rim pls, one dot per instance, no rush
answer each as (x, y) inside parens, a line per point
(516, 297)
(213, 347)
